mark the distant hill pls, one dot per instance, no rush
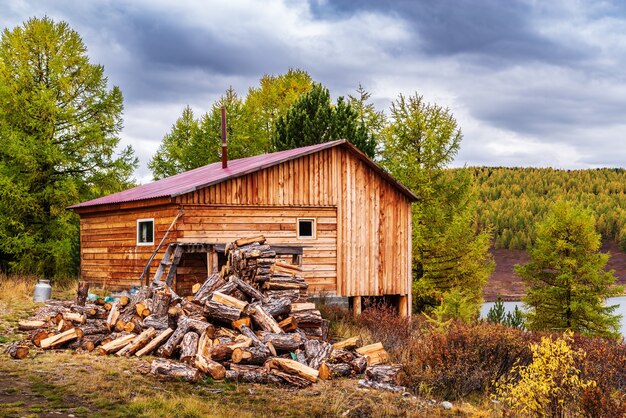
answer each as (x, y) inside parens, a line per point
(513, 199)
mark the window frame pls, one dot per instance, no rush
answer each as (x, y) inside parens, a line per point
(313, 228)
(139, 221)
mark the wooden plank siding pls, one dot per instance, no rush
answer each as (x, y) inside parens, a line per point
(361, 246)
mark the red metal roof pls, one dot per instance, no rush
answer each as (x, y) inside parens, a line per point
(208, 175)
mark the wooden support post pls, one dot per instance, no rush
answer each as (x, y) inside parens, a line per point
(356, 305)
(404, 309)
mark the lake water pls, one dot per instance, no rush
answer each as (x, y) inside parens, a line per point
(510, 306)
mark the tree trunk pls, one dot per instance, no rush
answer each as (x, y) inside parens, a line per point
(170, 345)
(81, 293)
(292, 379)
(171, 369)
(94, 327)
(250, 334)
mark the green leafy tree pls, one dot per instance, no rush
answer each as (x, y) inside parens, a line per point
(371, 121)
(566, 284)
(450, 252)
(313, 119)
(59, 127)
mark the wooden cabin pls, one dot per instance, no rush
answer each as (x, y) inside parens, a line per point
(328, 207)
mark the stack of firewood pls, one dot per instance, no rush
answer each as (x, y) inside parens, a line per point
(250, 322)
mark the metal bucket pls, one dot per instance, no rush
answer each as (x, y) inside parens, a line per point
(43, 291)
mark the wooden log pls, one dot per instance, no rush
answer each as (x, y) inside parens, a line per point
(120, 325)
(340, 356)
(114, 315)
(293, 295)
(282, 342)
(308, 319)
(205, 342)
(61, 338)
(200, 326)
(249, 290)
(291, 379)
(17, 351)
(314, 333)
(155, 343)
(383, 374)
(161, 303)
(221, 352)
(82, 292)
(227, 288)
(381, 386)
(94, 327)
(107, 306)
(250, 240)
(141, 295)
(220, 312)
(374, 353)
(261, 377)
(348, 344)
(212, 283)
(229, 301)
(191, 309)
(173, 314)
(293, 367)
(277, 307)
(317, 352)
(287, 266)
(240, 342)
(167, 349)
(156, 322)
(251, 335)
(195, 288)
(39, 336)
(324, 372)
(275, 285)
(176, 370)
(29, 325)
(250, 355)
(242, 321)
(189, 348)
(124, 300)
(116, 344)
(75, 317)
(138, 342)
(288, 324)
(210, 367)
(359, 364)
(263, 320)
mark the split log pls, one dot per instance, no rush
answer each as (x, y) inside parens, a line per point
(374, 353)
(161, 303)
(263, 320)
(284, 285)
(261, 377)
(241, 341)
(221, 352)
(302, 307)
(212, 283)
(383, 374)
(293, 367)
(282, 342)
(317, 352)
(329, 370)
(289, 267)
(170, 345)
(40, 336)
(229, 301)
(210, 367)
(114, 315)
(136, 325)
(308, 319)
(157, 341)
(138, 342)
(249, 290)
(340, 356)
(116, 344)
(242, 321)
(124, 300)
(59, 339)
(250, 334)
(359, 364)
(250, 240)
(277, 307)
(220, 312)
(348, 344)
(77, 318)
(156, 322)
(82, 293)
(29, 325)
(189, 348)
(204, 345)
(382, 386)
(17, 351)
(191, 309)
(250, 355)
(288, 324)
(171, 369)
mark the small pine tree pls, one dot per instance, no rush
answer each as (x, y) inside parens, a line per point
(566, 284)
(496, 313)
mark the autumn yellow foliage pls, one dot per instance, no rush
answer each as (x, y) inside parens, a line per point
(550, 386)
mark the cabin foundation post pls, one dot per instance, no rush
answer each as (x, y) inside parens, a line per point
(404, 309)
(356, 305)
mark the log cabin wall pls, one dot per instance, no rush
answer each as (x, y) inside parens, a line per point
(109, 254)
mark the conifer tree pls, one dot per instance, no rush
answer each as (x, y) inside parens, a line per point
(566, 284)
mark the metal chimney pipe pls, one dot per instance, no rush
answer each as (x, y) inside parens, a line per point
(224, 147)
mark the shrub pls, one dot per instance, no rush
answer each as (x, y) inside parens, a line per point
(462, 359)
(385, 325)
(551, 385)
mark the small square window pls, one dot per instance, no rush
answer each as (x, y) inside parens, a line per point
(145, 231)
(306, 228)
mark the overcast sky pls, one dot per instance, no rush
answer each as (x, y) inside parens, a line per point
(532, 83)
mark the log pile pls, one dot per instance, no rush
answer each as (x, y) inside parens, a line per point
(251, 322)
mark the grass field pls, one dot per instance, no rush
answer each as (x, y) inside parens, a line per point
(64, 383)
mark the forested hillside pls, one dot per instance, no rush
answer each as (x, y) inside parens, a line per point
(512, 200)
